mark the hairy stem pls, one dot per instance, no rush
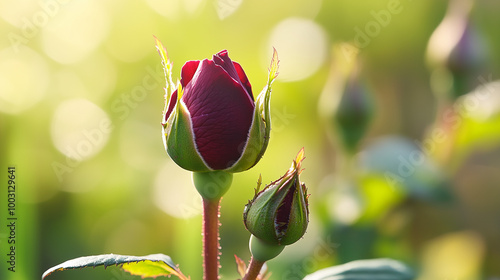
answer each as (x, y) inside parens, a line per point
(210, 239)
(253, 269)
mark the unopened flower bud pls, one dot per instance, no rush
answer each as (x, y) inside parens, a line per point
(278, 215)
(346, 103)
(211, 121)
(457, 47)
(355, 111)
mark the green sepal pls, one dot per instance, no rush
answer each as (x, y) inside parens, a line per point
(260, 130)
(167, 70)
(179, 138)
(296, 230)
(256, 143)
(259, 214)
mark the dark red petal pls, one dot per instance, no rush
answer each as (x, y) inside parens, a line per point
(187, 71)
(283, 212)
(171, 104)
(243, 78)
(221, 114)
(223, 60)
(234, 70)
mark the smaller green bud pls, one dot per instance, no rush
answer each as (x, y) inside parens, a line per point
(263, 251)
(212, 185)
(355, 111)
(279, 214)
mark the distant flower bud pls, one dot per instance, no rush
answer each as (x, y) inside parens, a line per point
(354, 113)
(346, 104)
(457, 47)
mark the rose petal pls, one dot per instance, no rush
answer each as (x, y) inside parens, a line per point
(235, 71)
(188, 70)
(223, 60)
(243, 78)
(221, 114)
(171, 105)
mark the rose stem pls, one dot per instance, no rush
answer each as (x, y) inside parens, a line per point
(211, 239)
(253, 269)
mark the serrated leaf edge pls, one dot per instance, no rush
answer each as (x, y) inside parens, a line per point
(136, 259)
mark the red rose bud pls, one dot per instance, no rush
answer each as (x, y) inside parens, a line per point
(278, 215)
(211, 121)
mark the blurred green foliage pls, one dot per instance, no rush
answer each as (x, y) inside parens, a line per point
(80, 111)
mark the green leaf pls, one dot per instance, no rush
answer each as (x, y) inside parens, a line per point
(146, 266)
(374, 269)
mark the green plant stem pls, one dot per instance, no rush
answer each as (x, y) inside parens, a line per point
(211, 239)
(253, 269)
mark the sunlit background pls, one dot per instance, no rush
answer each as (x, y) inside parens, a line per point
(81, 96)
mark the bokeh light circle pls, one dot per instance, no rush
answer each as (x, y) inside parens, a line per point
(174, 192)
(24, 80)
(74, 31)
(174, 9)
(80, 129)
(138, 146)
(302, 48)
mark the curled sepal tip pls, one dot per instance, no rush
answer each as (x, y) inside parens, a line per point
(167, 70)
